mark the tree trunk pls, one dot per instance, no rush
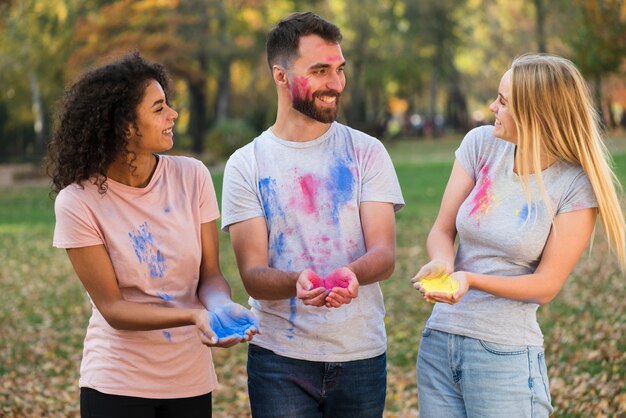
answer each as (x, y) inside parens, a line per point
(38, 118)
(456, 109)
(355, 113)
(597, 82)
(431, 128)
(222, 99)
(197, 114)
(540, 17)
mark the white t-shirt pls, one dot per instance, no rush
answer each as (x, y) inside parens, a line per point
(309, 194)
(152, 236)
(500, 233)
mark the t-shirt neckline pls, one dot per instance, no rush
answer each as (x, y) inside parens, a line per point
(305, 144)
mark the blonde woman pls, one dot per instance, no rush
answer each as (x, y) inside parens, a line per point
(523, 197)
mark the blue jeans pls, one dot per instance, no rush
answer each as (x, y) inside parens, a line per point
(284, 387)
(463, 377)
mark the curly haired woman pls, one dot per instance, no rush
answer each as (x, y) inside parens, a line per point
(140, 231)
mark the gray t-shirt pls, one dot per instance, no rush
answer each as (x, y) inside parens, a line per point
(500, 233)
(309, 194)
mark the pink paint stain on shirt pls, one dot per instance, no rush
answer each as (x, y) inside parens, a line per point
(483, 199)
(309, 186)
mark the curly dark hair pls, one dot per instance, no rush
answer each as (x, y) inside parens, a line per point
(93, 118)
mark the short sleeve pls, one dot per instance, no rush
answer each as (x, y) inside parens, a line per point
(209, 210)
(74, 227)
(469, 150)
(579, 195)
(380, 182)
(239, 192)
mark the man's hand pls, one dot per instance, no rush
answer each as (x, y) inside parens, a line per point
(343, 285)
(310, 288)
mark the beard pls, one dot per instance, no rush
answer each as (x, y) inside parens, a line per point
(321, 114)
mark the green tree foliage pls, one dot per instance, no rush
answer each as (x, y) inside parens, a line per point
(198, 41)
(598, 40)
(34, 42)
(438, 57)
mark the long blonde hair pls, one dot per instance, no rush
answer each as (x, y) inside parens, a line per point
(556, 119)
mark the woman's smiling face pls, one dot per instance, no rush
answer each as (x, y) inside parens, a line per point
(155, 122)
(504, 127)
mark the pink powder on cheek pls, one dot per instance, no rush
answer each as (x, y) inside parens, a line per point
(301, 89)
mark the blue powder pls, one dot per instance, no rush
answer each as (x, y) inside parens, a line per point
(225, 325)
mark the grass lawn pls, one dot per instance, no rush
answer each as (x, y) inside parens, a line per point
(44, 310)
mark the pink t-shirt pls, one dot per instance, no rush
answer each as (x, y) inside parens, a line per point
(152, 235)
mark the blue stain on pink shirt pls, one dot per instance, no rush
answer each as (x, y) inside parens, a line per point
(166, 297)
(147, 251)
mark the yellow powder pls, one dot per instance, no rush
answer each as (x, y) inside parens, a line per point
(443, 284)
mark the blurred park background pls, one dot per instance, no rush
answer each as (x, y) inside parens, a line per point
(420, 74)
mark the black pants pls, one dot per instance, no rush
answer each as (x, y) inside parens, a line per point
(94, 404)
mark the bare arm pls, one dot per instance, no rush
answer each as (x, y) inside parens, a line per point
(95, 270)
(214, 292)
(250, 243)
(440, 241)
(379, 231)
(568, 238)
(213, 289)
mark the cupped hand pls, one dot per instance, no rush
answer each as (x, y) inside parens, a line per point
(310, 288)
(230, 324)
(344, 286)
(433, 268)
(451, 299)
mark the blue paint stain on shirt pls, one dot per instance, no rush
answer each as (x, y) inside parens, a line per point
(341, 186)
(167, 210)
(527, 211)
(278, 244)
(166, 297)
(167, 335)
(269, 198)
(146, 250)
(292, 317)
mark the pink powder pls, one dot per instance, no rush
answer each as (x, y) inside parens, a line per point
(483, 198)
(337, 278)
(316, 281)
(309, 186)
(300, 88)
